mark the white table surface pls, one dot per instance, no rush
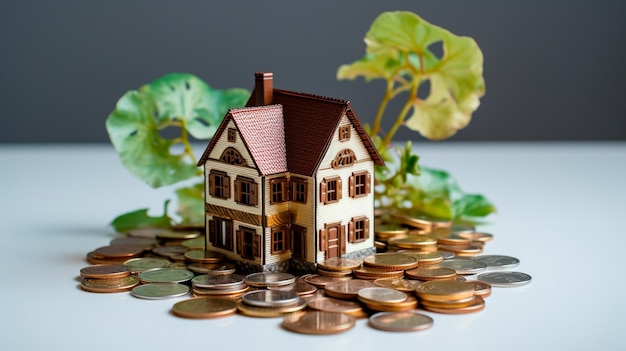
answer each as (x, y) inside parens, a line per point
(561, 210)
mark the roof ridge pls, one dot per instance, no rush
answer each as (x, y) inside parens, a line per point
(314, 96)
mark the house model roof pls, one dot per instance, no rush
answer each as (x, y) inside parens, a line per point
(293, 133)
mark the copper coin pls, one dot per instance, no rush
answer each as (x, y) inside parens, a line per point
(374, 273)
(381, 295)
(212, 268)
(444, 290)
(93, 258)
(407, 305)
(347, 289)
(424, 258)
(204, 307)
(318, 322)
(337, 274)
(109, 285)
(481, 289)
(339, 264)
(478, 305)
(119, 251)
(468, 301)
(320, 281)
(400, 321)
(104, 271)
(390, 261)
(395, 283)
(431, 273)
(328, 304)
(476, 236)
(301, 288)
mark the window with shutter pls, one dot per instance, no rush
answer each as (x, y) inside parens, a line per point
(330, 190)
(246, 191)
(280, 239)
(359, 184)
(247, 245)
(222, 235)
(358, 229)
(298, 189)
(219, 184)
(279, 190)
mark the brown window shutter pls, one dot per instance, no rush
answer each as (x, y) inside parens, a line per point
(254, 187)
(339, 189)
(212, 236)
(323, 240)
(237, 190)
(351, 231)
(368, 183)
(323, 193)
(352, 186)
(342, 238)
(366, 228)
(212, 184)
(239, 239)
(227, 187)
(256, 245)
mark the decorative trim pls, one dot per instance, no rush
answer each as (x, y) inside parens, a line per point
(236, 215)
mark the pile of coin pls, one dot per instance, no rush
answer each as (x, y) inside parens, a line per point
(420, 264)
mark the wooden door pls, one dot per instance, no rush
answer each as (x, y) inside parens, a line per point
(333, 249)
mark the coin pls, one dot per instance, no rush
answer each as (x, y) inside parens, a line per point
(204, 307)
(339, 264)
(481, 289)
(118, 251)
(270, 298)
(478, 305)
(303, 289)
(381, 295)
(92, 258)
(269, 312)
(400, 321)
(104, 271)
(389, 230)
(318, 322)
(424, 258)
(204, 256)
(407, 305)
(329, 304)
(498, 261)
(390, 261)
(505, 279)
(336, 274)
(228, 281)
(431, 273)
(444, 290)
(166, 275)
(142, 264)
(374, 273)
(236, 291)
(347, 289)
(109, 285)
(177, 235)
(446, 254)
(395, 283)
(146, 243)
(320, 281)
(413, 241)
(464, 265)
(159, 291)
(167, 251)
(468, 301)
(265, 279)
(476, 236)
(195, 243)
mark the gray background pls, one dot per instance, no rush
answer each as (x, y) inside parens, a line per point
(554, 70)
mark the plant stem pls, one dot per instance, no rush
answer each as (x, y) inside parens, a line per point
(381, 108)
(403, 113)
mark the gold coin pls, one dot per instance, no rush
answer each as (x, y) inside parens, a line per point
(339, 264)
(105, 271)
(407, 305)
(444, 290)
(400, 321)
(390, 261)
(476, 236)
(468, 301)
(142, 264)
(450, 238)
(395, 283)
(320, 281)
(204, 256)
(424, 258)
(389, 230)
(119, 251)
(420, 221)
(347, 289)
(472, 249)
(270, 312)
(431, 273)
(204, 307)
(377, 295)
(109, 285)
(329, 304)
(318, 322)
(374, 273)
(478, 305)
(481, 289)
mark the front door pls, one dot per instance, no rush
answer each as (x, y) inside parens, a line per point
(333, 248)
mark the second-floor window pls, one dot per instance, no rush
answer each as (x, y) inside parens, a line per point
(219, 184)
(360, 184)
(246, 191)
(330, 190)
(279, 190)
(298, 190)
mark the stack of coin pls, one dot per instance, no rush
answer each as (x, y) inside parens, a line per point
(318, 322)
(390, 261)
(424, 243)
(386, 231)
(419, 221)
(176, 237)
(270, 303)
(204, 307)
(230, 286)
(432, 272)
(368, 273)
(450, 297)
(329, 304)
(107, 278)
(321, 281)
(337, 266)
(115, 254)
(386, 300)
(301, 288)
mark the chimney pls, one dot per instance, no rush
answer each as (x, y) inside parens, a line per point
(264, 88)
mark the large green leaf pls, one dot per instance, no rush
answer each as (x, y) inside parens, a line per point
(191, 204)
(135, 135)
(185, 97)
(141, 219)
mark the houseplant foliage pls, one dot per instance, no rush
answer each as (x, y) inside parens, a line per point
(440, 76)
(187, 104)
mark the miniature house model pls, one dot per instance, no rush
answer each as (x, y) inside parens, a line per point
(289, 179)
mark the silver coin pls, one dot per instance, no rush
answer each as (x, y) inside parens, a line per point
(270, 298)
(166, 275)
(159, 291)
(505, 279)
(464, 265)
(498, 261)
(266, 279)
(446, 254)
(213, 269)
(226, 281)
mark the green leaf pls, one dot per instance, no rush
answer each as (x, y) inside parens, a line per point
(191, 204)
(139, 219)
(371, 67)
(408, 161)
(437, 207)
(135, 135)
(472, 205)
(185, 97)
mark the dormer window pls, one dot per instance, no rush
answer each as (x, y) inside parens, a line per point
(232, 135)
(344, 158)
(232, 157)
